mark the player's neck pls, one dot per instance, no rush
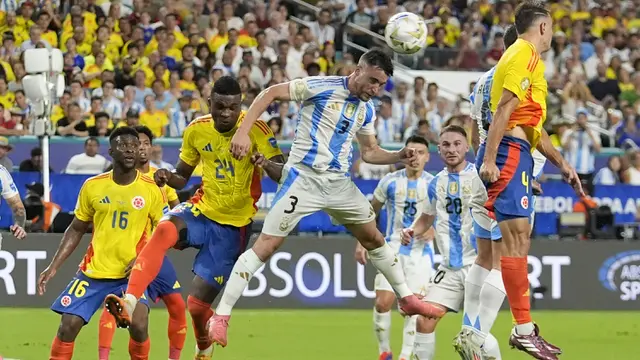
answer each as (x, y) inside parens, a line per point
(458, 168)
(144, 168)
(534, 40)
(414, 174)
(124, 176)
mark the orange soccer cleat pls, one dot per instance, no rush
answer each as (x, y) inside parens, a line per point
(116, 306)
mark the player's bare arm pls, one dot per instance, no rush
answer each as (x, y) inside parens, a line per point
(68, 244)
(552, 154)
(241, 143)
(419, 228)
(273, 167)
(177, 178)
(361, 252)
(475, 137)
(372, 153)
(19, 216)
(507, 104)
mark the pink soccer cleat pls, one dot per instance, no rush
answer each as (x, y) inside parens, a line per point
(411, 305)
(218, 325)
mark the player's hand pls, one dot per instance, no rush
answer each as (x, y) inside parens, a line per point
(18, 232)
(406, 235)
(570, 175)
(361, 255)
(240, 145)
(536, 188)
(44, 278)
(409, 156)
(258, 159)
(489, 172)
(161, 177)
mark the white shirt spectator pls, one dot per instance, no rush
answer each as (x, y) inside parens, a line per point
(388, 129)
(402, 110)
(373, 171)
(84, 164)
(579, 151)
(161, 164)
(436, 119)
(605, 176)
(267, 52)
(322, 33)
(178, 121)
(113, 107)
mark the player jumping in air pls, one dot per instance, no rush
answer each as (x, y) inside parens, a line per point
(217, 219)
(334, 110)
(518, 101)
(119, 204)
(451, 197)
(403, 192)
(165, 286)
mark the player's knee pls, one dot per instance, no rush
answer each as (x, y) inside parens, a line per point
(139, 328)
(368, 235)
(70, 326)
(175, 305)
(266, 245)
(383, 304)
(426, 325)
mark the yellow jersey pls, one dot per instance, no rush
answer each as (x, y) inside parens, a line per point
(169, 192)
(230, 187)
(155, 121)
(521, 71)
(119, 215)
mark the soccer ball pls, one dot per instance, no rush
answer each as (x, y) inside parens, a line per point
(406, 33)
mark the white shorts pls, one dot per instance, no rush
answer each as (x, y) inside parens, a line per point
(417, 271)
(304, 192)
(447, 287)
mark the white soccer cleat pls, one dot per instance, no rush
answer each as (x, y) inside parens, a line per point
(206, 354)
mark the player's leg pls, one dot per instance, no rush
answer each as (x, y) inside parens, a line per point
(424, 347)
(139, 342)
(201, 296)
(77, 303)
(167, 287)
(382, 316)
(352, 209)
(106, 331)
(298, 196)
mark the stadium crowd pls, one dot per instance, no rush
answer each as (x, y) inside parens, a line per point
(153, 63)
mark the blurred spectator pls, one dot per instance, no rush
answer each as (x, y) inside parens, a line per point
(156, 158)
(609, 175)
(580, 146)
(633, 172)
(5, 149)
(101, 125)
(181, 117)
(153, 118)
(34, 164)
(89, 162)
(388, 128)
(368, 171)
(72, 124)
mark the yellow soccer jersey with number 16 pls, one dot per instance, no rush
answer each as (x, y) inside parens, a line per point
(119, 215)
(230, 187)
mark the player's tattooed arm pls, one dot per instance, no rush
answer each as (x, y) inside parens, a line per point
(273, 167)
(17, 208)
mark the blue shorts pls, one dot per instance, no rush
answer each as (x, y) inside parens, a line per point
(84, 295)
(510, 196)
(165, 283)
(482, 233)
(219, 246)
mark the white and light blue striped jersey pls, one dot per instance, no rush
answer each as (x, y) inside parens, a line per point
(328, 120)
(480, 100)
(580, 153)
(403, 199)
(7, 186)
(451, 198)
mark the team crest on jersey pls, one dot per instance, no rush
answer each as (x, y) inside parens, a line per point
(524, 202)
(65, 301)
(137, 202)
(349, 110)
(525, 83)
(453, 188)
(412, 193)
(300, 89)
(284, 224)
(466, 188)
(360, 117)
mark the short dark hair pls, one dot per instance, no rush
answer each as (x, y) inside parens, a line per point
(377, 57)
(101, 114)
(454, 129)
(510, 36)
(386, 99)
(90, 139)
(416, 139)
(141, 129)
(527, 13)
(227, 85)
(121, 131)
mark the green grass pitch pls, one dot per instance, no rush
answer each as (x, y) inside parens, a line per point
(26, 334)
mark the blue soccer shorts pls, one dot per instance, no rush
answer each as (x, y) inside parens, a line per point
(510, 196)
(219, 246)
(84, 295)
(165, 283)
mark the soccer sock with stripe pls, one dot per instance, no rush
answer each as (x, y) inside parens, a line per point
(139, 351)
(491, 298)
(200, 313)
(472, 286)
(248, 263)
(61, 350)
(177, 329)
(408, 336)
(106, 330)
(516, 284)
(386, 261)
(381, 328)
(150, 260)
(425, 346)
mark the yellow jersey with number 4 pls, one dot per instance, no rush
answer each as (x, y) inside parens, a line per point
(230, 187)
(119, 215)
(521, 71)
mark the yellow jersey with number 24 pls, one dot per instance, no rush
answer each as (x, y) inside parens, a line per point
(230, 187)
(119, 215)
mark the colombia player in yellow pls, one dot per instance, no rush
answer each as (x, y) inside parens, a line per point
(518, 98)
(216, 221)
(165, 286)
(119, 204)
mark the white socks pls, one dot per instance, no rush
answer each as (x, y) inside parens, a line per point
(381, 328)
(525, 329)
(491, 348)
(386, 261)
(408, 336)
(242, 272)
(472, 287)
(425, 346)
(491, 297)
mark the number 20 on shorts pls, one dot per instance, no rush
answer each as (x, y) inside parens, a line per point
(79, 288)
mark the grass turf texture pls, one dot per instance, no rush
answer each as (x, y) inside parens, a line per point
(26, 334)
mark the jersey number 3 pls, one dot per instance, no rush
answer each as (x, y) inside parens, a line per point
(343, 126)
